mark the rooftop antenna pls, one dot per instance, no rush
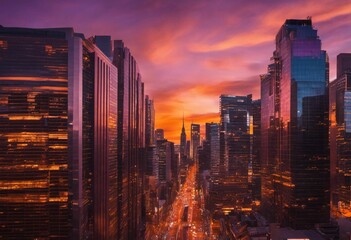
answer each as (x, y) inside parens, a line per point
(183, 119)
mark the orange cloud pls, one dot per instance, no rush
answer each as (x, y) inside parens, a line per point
(247, 39)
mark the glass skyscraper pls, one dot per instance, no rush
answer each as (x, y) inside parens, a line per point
(58, 117)
(229, 188)
(130, 144)
(212, 138)
(340, 137)
(295, 149)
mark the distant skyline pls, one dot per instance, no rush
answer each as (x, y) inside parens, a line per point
(190, 52)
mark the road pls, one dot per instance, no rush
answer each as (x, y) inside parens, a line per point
(174, 228)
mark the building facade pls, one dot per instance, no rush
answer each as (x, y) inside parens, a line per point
(149, 121)
(131, 143)
(294, 122)
(340, 137)
(194, 141)
(59, 135)
(212, 139)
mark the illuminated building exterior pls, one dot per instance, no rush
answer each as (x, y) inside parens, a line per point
(212, 137)
(340, 136)
(269, 138)
(294, 122)
(236, 137)
(58, 119)
(195, 140)
(150, 170)
(130, 144)
(165, 156)
(149, 121)
(105, 140)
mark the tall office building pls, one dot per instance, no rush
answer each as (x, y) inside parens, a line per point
(236, 136)
(294, 95)
(194, 140)
(212, 139)
(165, 156)
(256, 150)
(149, 122)
(58, 117)
(343, 64)
(131, 143)
(269, 138)
(340, 136)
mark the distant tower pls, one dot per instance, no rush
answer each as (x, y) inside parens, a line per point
(183, 144)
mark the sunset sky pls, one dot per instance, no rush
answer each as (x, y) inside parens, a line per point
(190, 51)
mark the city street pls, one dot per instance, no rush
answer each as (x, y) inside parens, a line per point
(177, 226)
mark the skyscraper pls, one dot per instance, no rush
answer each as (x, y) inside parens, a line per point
(212, 137)
(236, 135)
(183, 146)
(58, 136)
(256, 149)
(340, 136)
(343, 64)
(269, 137)
(149, 121)
(194, 141)
(165, 156)
(294, 118)
(131, 142)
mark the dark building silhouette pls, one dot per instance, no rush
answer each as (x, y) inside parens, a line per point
(183, 145)
(159, 134)
(340, 137)
(204, 156)
(294, 122)
(343, 64)
(58, 136)
(194, 140)
(256, 150)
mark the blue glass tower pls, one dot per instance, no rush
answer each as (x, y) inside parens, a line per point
(295, 124)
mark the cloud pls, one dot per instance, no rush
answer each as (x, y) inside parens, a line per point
(241, 87)
(248, 39)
